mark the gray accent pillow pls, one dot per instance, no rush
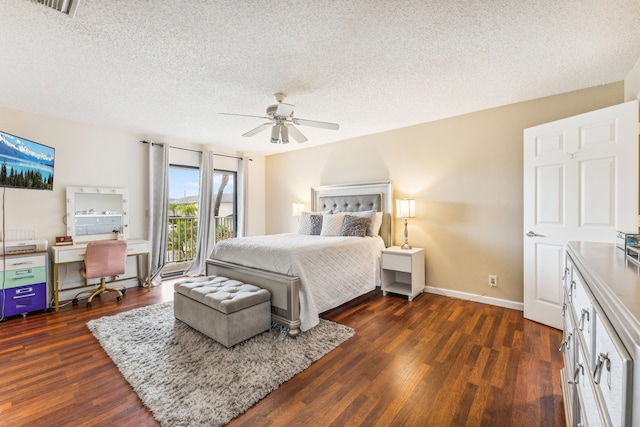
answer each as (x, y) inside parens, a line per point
(371, 215)
(316, 224)
(355, 226)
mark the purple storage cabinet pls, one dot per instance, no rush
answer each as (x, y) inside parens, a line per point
(24, 299)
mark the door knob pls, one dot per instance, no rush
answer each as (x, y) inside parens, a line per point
(532, 234)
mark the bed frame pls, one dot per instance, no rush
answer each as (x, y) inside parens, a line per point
(285, 306)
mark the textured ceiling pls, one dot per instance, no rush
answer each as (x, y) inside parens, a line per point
(165, 69)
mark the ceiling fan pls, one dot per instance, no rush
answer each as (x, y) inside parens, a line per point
(281, 121)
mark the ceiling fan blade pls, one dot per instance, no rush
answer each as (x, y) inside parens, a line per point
(257, 130)
(284, 110)
(314, 123)
(246, 115)
(296, 134)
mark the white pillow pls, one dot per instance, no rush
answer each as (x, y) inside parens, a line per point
(332, 224)
(376, 224)
(304, 222)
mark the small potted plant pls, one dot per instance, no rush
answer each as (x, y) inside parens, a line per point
(119, 234)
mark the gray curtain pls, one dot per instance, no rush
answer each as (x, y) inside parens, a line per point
(243, 191)
(206, 221)
(158, 208)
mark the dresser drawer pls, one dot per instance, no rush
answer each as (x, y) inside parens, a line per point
(25, 299)
(24, 276)
(13, 263)
(568, 345)
(134, 248)
(396, 262)
(590, 409)
(611, 371)
(71, 255)
(583, 312)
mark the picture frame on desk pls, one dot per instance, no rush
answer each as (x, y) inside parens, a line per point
(64, 240)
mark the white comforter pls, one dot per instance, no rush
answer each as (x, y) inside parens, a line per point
(332, 270)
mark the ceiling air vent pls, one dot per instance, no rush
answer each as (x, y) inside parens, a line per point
(65, 6)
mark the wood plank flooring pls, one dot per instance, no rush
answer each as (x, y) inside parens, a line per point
(436, 361)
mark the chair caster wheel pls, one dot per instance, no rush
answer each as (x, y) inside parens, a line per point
(75, 301)
(124, 291)
(88, 305)
(118, 298)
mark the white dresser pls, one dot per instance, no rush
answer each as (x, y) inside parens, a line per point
(601, 313)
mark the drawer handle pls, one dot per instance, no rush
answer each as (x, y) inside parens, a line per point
(603, 360)
(23, 263)
(566, 343)
(564, 309)
(565, 274)
(583, 313)
(572, 287)
(576, 374)
(31, 276)
(24, 296)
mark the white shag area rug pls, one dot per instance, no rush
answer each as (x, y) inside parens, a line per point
(187, 379)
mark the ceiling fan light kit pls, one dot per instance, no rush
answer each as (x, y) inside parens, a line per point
(282, 122)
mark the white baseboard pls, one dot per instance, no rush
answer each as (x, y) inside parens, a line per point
(477, 298)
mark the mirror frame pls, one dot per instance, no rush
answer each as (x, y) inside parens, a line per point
(72, 193)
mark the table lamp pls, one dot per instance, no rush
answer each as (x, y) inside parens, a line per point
(405, 209)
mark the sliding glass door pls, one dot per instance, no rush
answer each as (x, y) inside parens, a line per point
(184, 199)
(184, 187)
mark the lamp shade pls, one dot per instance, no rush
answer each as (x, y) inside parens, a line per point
(297, 208)
(405, 208)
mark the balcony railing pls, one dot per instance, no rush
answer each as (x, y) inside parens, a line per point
(183, 235)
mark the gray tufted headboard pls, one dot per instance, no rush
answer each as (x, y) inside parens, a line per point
(358, 197)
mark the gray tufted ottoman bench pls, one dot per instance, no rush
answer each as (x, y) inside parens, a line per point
(226, 310)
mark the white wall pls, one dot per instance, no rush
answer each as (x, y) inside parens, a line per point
(92, 156)
(466, 174)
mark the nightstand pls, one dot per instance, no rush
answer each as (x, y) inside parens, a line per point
(403, 271)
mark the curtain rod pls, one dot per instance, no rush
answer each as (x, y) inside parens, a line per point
(190, 149)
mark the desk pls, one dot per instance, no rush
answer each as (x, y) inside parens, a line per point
(75, 254)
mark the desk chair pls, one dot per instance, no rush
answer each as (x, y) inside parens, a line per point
(102, 259)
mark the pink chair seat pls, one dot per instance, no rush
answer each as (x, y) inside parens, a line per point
(106, 258)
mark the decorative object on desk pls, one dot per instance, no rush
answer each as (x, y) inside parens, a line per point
(119, 234)
(405, 209)
(193, 380)
(64, 240)
(297, 208)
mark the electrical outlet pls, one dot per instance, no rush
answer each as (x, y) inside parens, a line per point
(493, 280)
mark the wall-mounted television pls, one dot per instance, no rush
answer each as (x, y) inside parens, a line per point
(25, 164)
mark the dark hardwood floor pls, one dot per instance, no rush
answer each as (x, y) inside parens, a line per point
(436, 361)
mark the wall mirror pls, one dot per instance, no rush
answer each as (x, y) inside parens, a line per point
(97, 213)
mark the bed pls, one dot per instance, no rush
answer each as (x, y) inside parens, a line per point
(307, 275)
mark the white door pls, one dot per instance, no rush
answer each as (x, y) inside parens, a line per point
(580, 183)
